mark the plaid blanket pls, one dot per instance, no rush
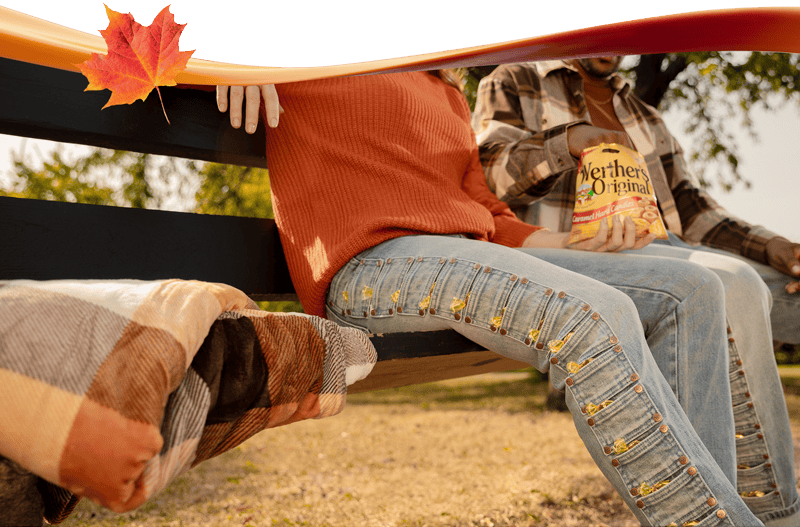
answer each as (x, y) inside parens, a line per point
(111, 389)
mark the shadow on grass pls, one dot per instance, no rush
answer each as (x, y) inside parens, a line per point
(516, 395)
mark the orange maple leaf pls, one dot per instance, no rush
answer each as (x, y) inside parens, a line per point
(139, 58)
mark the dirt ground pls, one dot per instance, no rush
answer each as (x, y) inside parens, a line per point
(477, 452)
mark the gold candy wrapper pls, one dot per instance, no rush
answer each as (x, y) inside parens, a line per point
(613, 180)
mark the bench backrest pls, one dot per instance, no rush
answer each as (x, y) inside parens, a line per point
(47, 240)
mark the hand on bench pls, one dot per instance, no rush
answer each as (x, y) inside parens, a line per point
(250, 94)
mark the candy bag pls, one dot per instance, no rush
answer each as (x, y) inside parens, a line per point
(613, 180)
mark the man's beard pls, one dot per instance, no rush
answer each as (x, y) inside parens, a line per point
(590, 68)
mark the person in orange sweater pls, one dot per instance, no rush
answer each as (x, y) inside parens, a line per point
(385, 215)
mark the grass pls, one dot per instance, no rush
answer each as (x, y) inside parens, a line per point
(477, 452)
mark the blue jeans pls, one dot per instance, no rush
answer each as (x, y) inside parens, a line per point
(785, 316)
(589, 336)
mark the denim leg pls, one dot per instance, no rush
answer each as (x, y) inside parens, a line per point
(679, 317)
(588, 335)
(785, 307)
(764, 446)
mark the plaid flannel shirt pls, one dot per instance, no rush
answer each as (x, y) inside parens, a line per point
(521, 119)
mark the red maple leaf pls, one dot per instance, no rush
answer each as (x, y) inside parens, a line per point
(139, 58)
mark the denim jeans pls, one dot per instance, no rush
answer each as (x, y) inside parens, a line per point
(764, 447)
(588, 335)
(785, 316)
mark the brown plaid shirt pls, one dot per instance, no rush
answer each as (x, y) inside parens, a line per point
(521, 118)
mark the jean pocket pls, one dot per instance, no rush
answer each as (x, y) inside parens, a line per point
(453, 286)
(625, 417)
(745, 419)
(686, 497)
(751, 450)
(655, 458)
(739, 390)
(607, 374)
(756, 481)
(387, 288)
(488, 298)
(352, 288)
(766, 503)
(418, 285)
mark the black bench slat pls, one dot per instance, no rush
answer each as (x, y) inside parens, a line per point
(47, 240)
(46, 103)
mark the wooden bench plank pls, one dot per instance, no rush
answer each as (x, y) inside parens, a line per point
(46, 103)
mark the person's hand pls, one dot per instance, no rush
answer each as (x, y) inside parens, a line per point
(582, 136)
(251, 95)
(784, 256)
(621, 238)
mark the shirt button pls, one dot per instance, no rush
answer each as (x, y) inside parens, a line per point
(476, 266)
(452, 260)
(391, 311)
(741, 372)
(595, 316)
(457, 316)
(640, 504)
(657, 417)
(617, 348)
(586, 307)
(634, 377)
(433, 311)
(634, 490)
(388, 260)
(539, 345)
(691, 471)
(721, 514)
(638, 388)
(380, 263)
(731, 340)
(711, 502)
(503, 331)
(607, 450)
(365, 314)
(554, 360)
(570, 382)
(442, 260)
(590, 422)
(683, 460)
(419, 258)
(513, 278)
(468, 320)
(562, 294)
(548, 292)
(399, 309)
(527, 341)
(373, 312)
(349, 312)
(614, 462)
(493, 328)
(421, 312)
(410, 259)
(330, 303)
(613, 339)
(487, 269)
(663, 429)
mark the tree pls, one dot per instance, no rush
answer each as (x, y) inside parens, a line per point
(716, 90)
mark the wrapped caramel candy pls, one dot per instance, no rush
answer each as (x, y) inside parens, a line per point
(613, 180)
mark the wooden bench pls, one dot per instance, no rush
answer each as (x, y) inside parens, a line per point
(45, 240)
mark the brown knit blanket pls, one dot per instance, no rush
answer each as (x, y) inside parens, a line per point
(111, 389)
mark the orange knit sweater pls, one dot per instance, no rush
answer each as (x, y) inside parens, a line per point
(357, 161)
